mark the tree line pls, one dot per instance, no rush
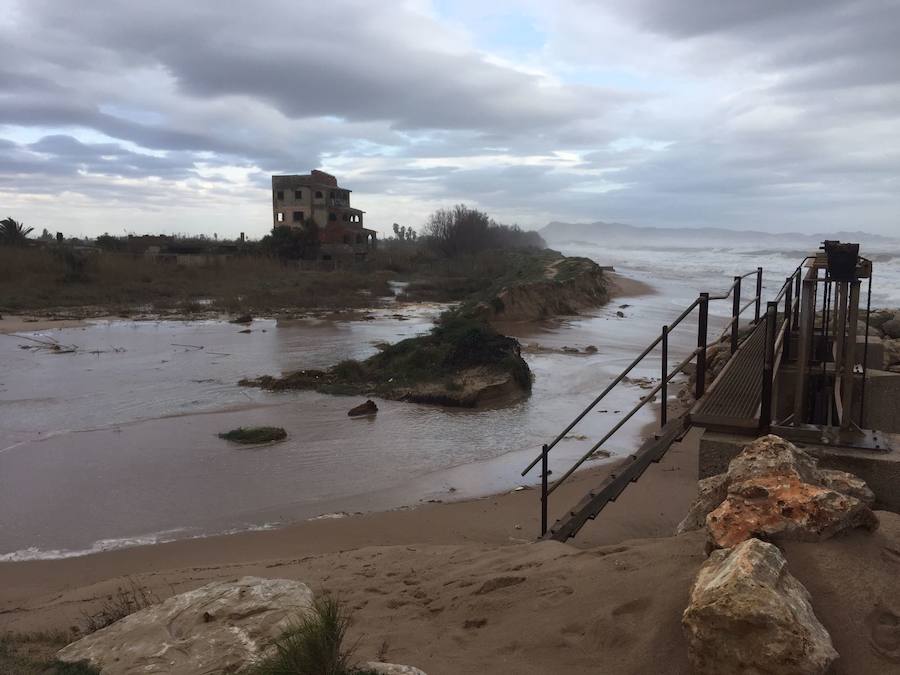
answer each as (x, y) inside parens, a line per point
(449, 232)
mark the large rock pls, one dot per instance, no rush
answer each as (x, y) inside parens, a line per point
(879, 317)
(783, 507)
(747, 614)
(846, 484)
(775, 490)
(218, 628)
(891, 353)
(771, 456)
(891, 328)
(367, 408)
(710, 493)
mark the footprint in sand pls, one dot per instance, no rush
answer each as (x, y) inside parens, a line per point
(554, 595)
(884, 633)
(497, 583)
(632, 607)
(891, 555)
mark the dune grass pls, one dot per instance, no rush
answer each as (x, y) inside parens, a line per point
(314, 645)
(254, 435)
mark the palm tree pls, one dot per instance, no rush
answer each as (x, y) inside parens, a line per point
(13, 232)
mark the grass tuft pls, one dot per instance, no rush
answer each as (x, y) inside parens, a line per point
(254, 435)
(313, 646)
(126, 600)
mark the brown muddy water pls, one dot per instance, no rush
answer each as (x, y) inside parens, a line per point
(116, 444)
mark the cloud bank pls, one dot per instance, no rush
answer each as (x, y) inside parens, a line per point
(170, 116)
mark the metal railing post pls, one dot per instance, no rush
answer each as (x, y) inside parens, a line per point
(702, 319)
(788, 311)
(765, 408)
(735, 314)
(664, 392)
(544, 453)
(758, 293)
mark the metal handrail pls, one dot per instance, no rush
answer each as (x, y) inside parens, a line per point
(736, 317)
(612, 385)
(645, 400)
(699, 353)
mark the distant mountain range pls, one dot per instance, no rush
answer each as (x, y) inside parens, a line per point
(601, 233)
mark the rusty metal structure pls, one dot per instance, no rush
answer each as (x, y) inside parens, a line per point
(796, 368)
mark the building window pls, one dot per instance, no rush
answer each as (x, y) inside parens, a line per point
(345, 217)
(298, 194)
(332, 216)
(298, 216)
(318, 194)
(333, 194)
(279, 217)
(280, 195)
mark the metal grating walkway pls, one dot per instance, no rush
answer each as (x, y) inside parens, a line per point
(734, 396)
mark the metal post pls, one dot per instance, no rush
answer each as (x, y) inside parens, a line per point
(702, 319)
(850, 355)
(544, 452)
(807, 316)
(765, 411)
(862, 392)
(664, 372)
(735, 314)
(788, 311)
(758, 293)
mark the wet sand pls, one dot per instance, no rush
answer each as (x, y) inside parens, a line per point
(23, 323)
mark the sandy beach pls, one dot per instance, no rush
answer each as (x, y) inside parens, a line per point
(463, 587)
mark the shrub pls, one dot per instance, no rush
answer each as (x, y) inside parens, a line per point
(254, 435)
(463, 230)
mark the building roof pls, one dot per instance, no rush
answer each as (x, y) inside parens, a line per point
(313, 178)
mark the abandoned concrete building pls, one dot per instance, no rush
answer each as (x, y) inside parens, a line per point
(316, 200)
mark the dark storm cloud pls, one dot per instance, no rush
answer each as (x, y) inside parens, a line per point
(346, 59)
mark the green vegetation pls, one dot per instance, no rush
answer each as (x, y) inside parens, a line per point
(255, 435)
(313, 646)
(33, 278)
(35, 654)
(13, 232)
(461, 253)
(458, 343)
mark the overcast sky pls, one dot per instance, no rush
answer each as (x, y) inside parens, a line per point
(171, 115)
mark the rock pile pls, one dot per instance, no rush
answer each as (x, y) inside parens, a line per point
(885, 323)
(775, 491)
(747, 614)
